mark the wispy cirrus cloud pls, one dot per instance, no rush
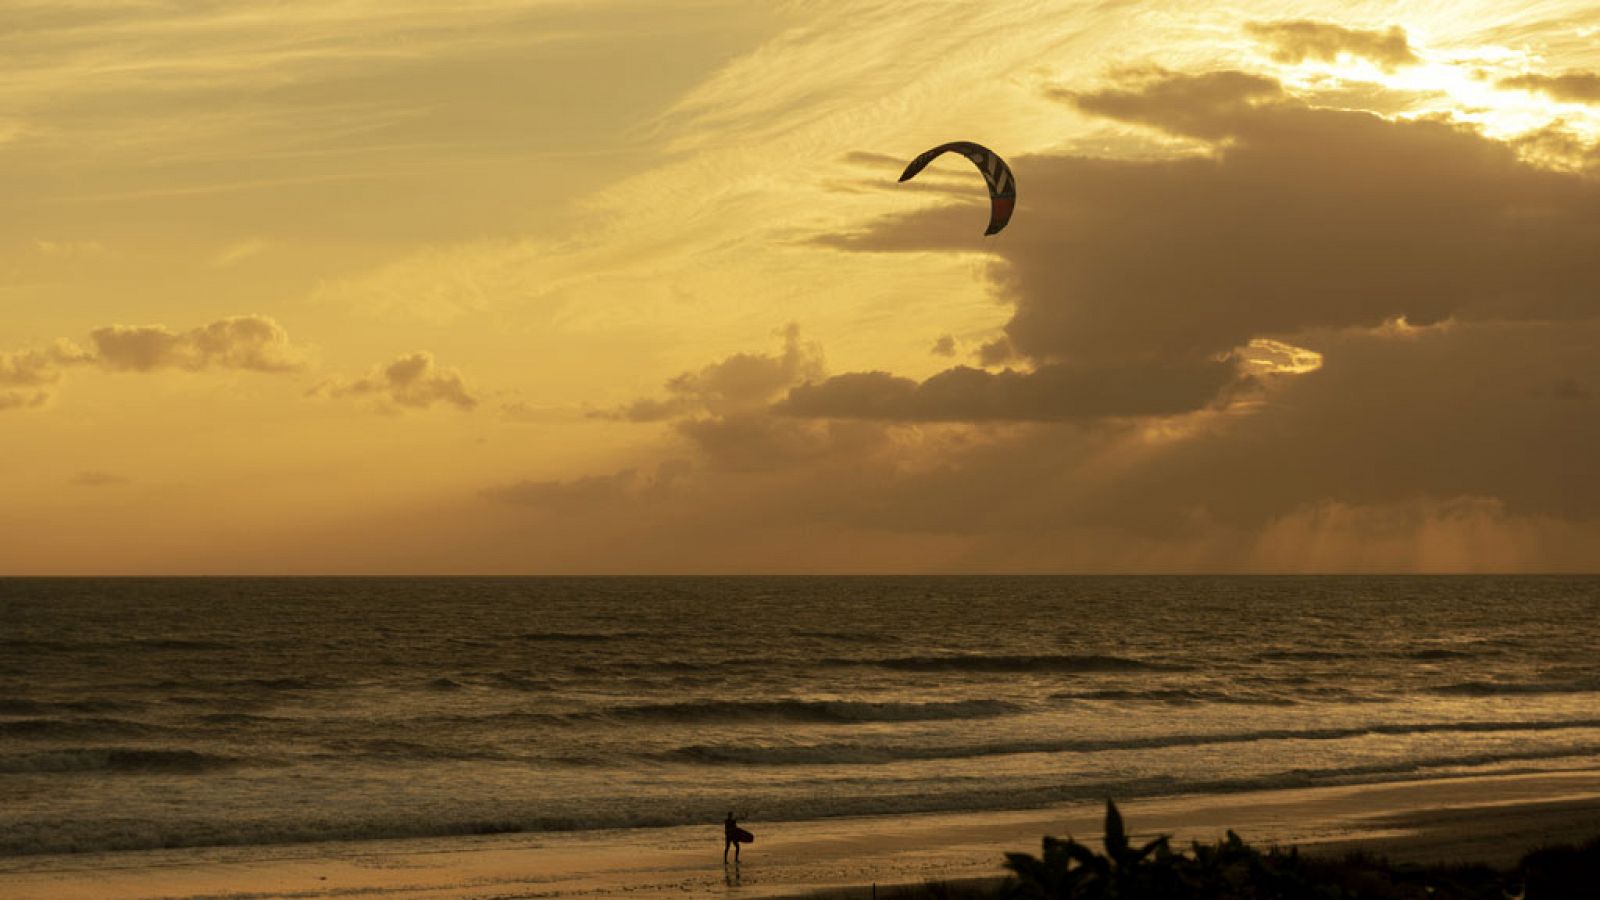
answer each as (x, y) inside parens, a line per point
(151, 47)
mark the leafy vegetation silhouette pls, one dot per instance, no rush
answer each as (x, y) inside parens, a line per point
(1066, 868)
(1230, 868)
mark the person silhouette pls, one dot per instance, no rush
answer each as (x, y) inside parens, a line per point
(730, 838)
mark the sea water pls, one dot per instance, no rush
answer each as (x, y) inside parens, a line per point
(142, 713)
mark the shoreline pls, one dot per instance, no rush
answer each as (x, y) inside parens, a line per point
(1479, 818)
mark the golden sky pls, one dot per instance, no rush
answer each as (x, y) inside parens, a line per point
(614, 286)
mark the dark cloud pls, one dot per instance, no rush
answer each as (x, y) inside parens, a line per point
(1557, 147)
(944, 346)
(1464, 410)
(996, 352)
(1297, 40)
(1465, 446)
(724, 412)
(1052, 393)
(741, 382)
(1431, 299)
(1486, 410)
(1574, 87)
(240, 342)
(413, 380)
(1300, 218)
(758, 441)
(1501, 412)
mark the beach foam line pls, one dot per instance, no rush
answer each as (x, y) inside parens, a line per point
(1445, 817)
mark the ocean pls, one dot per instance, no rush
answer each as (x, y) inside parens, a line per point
(145, 713)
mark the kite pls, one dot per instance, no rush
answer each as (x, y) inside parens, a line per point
(1002, 187)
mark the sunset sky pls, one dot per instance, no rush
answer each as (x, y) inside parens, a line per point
(601, 286)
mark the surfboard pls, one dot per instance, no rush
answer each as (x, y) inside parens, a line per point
(740, 836)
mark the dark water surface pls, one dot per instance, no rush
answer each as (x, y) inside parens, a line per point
(139, 713)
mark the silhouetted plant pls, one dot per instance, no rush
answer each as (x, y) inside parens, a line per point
(1561, 872)
(1232, 869)
(1068, 869)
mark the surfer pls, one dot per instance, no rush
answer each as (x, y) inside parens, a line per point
(732, 836)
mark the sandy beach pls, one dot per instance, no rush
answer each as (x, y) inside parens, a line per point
(1484, 818)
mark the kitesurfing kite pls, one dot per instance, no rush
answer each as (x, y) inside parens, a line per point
(1002, 187)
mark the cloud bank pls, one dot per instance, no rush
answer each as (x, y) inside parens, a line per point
(1052, 393)
(1321, 340)
(1299, 217)
(252, 343)
(741, 382)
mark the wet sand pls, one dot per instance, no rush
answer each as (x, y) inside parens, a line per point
(1486, 818)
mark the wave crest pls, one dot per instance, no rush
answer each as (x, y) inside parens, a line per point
(855, 753)
(811, 711)
(115, 759)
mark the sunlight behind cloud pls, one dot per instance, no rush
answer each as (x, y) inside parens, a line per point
(1272, 357)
